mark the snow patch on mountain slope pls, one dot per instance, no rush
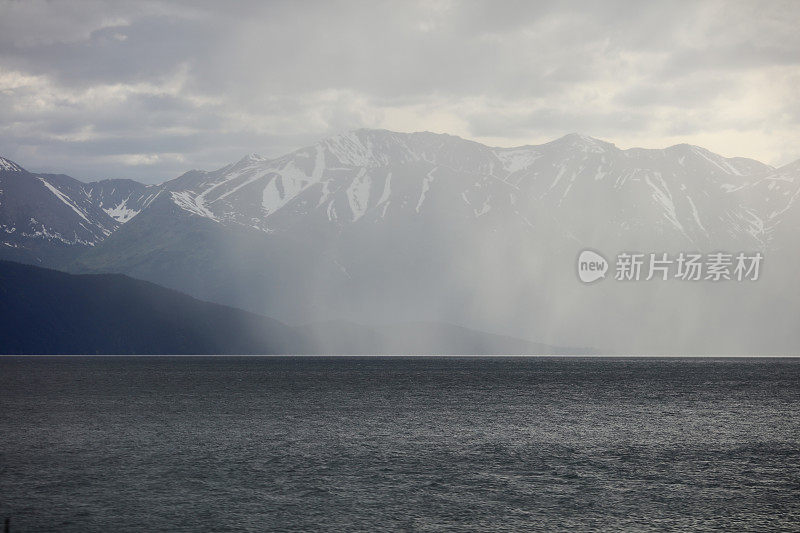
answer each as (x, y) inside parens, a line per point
(187, 202)
(426, 185)
(755, 226)
(272, 198)
(63, 197)
(728, 187)
(331, 211)
(384, 202)
(664, 198)
(121, 213)
(375, 148)
(587, 144)
(717, 161)
(358, 194)
(151, 198)
(600, 174)
(561, 170)
(248, 181)
(696, 215)
(485, 208)
(41, 232)
(788, 205)
(128, 208)
(350, 150)
(387, 189)
(286, 185)
(9, 166)
(516, 159)
(200, 200)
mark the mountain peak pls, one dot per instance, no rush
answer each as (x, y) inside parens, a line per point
(581, 138)
(252, 157)
(9, 166)
(373, 148)
(583, 142)
(688, 148)
(383, 135)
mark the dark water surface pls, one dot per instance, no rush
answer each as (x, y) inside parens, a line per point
(424, 444)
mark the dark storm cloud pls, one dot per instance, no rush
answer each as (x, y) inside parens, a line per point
(149, 88)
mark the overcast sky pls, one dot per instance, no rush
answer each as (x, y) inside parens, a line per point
(147, 90)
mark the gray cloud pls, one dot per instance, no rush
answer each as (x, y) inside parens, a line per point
(554, 123)
(149, 89)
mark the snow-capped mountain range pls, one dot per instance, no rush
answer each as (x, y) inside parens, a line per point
(380, 226)
(363, 176)
(45, 213)
(699, 198)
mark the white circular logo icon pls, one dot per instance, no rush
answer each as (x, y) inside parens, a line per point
(591, 266)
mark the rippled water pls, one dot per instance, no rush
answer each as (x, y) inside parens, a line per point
(231, 444)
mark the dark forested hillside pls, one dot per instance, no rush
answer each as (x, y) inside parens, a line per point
(49, 312)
